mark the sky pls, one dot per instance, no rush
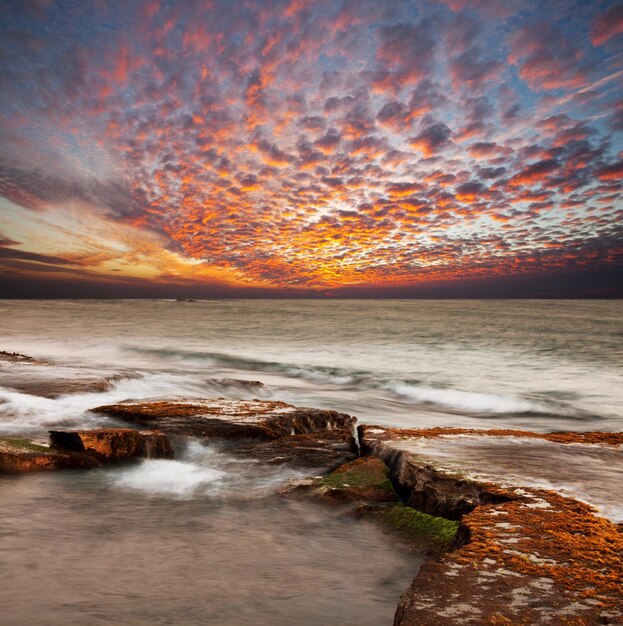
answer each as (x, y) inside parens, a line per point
(284, 148)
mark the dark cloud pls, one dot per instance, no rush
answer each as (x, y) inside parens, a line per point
(607, 25)
(432, 138)
(308, 145)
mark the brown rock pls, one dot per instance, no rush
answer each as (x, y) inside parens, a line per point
(54, 387)
(424, 487)
(112, 444)
(525, 556)
(590, 437)
(229, 419)
(24, 455)
(15, 357)
(237, 383)
(321, 451)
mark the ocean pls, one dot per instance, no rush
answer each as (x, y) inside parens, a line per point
(203, 539)
(537, 365)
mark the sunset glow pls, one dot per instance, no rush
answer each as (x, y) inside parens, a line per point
(309, 147)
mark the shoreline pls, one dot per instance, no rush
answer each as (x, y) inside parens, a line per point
(491, 570)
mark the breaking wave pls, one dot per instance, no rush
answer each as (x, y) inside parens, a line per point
(315, 373)
(165, 477)
(406, 390)
(473, 401)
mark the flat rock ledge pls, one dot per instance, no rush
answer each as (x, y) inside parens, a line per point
(523, 556)
(81, 449)
(229, 419)
(268, 431)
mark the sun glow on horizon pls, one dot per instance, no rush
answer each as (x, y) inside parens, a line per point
(325, 145)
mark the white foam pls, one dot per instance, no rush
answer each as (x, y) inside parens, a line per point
(165, 477)
(25, 413)
(468, 400)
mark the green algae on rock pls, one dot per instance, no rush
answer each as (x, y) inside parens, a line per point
(529, 556)
(366, 484)
(434, 535)
(81, 449)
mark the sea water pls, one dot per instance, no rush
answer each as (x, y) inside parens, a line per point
(204, 538)
(539, 365)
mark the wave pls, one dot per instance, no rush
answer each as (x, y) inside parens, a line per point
(202, 470)
(473, 401)
(25, 413)
(165, 477)
(315, 373)
(407, 390)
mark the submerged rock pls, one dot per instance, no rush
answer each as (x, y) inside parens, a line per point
(524, 555)
(54, 387)
(16, 357)
(364, 484)
(237, 383)
(229, 419)
(111, 444)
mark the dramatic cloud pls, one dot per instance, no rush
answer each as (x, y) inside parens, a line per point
(607, 25)
(302, 147)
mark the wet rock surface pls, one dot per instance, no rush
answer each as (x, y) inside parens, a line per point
(19, 455)
(54, 387)
(321, 451)
(16, 357)
(424, 487)
(81, 449)
(267, 431)
(365, 487)
(112, 444)
(524, 556)
(229, 419)
(502, 553)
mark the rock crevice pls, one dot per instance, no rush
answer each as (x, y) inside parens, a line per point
(523, 555)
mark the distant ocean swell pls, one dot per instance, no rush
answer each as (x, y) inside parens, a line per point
(411, 391)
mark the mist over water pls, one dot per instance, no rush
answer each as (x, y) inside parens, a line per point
(540, 365)
(91, 548)
(203, 538)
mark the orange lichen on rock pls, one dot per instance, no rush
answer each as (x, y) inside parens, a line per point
(109, 444)
(531, 557)
(81, 449)
(229, 419)
(592, 437)
(25, 455)
(157, 410)
(546, 534)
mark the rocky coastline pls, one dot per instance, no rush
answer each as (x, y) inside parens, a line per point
(498, 553)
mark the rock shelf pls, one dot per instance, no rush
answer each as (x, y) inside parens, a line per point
(269, 431)
(500, 553)
(229, 419)
(525, 556)
(81, 449)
